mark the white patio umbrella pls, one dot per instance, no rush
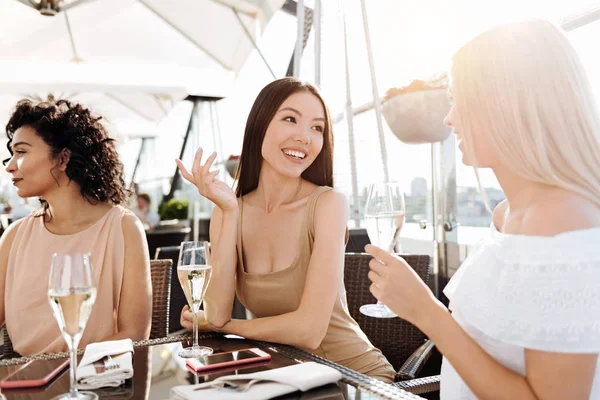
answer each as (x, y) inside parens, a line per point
(131, 59)
(192, 33)
(132, 98)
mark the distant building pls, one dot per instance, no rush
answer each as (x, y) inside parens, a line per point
(471, 208)
(418, 187)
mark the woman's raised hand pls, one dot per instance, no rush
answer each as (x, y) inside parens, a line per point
(207, 183)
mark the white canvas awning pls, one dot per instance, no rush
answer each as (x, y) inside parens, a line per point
(192, 33)
(130, 60)
(132, 97)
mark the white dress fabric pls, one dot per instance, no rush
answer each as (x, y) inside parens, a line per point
(516, 292)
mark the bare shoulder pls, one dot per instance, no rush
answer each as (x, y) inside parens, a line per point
(331, 201)
(331, 211)
(8, 236)
(132, 226)
(500, 214)
(330, 219)
(6, 242)
(137, 257)
(560, 214)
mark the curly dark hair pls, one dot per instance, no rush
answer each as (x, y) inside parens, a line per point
(94, 162)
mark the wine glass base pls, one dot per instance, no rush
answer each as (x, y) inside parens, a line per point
(377, 311)
(78, 396)
(195, 352)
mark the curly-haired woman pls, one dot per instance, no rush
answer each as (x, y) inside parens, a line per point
(62, 154)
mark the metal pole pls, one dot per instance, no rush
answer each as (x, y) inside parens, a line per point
(72, 39)
(216, 129)
(254, 44)
(176, 176)
(299, 38)
(137, 162)
(317, 23)
(581, 18)
(376, 99)
(355, 214)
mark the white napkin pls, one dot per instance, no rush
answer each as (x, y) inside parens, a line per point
(91, 373)
(278, 382)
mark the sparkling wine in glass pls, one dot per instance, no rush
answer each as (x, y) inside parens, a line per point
(384, 217)
(71, 293)
(194, 272)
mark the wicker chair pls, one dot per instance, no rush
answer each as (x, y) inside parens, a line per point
(403, 344)
(161, 273)
(178, 299)
(7, 347)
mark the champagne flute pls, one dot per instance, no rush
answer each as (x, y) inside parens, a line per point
(384, 217)
(71, 293)
(194, 272)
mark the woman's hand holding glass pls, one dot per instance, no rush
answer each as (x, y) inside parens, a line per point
(384, 218)
(187, 321)
(208, 185)
(399, 287)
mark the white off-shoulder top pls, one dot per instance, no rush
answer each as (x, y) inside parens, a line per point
(516, 292)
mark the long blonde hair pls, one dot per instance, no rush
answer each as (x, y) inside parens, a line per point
(525, 85)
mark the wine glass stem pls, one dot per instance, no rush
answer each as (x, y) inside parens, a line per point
(74, 342)
(196, 309)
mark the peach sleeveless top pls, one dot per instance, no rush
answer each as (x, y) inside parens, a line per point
(280, 292)
(29, 320)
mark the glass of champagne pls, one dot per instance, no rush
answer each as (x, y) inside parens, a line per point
(384, 216)
(194, 272)
(72, 292)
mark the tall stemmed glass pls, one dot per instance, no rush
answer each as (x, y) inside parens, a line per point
(194, 272)
(72, 292)
(384, 216)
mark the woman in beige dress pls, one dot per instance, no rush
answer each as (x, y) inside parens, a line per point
(278, 241)
(63, 155)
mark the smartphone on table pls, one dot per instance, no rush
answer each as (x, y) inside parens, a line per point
(222, 371)
(228, 359)
(34, 374)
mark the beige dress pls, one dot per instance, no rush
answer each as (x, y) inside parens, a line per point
(280, 292)
(29, 320)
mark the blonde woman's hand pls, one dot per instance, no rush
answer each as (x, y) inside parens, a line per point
(207, 183)
(399, 287)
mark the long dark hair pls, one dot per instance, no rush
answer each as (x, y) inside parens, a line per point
(320, 172)
(94, 162)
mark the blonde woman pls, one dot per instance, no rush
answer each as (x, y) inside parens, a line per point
(525, 320)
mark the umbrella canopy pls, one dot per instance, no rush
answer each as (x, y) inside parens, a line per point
(130, 60)
(193, 33)
(132, 98)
